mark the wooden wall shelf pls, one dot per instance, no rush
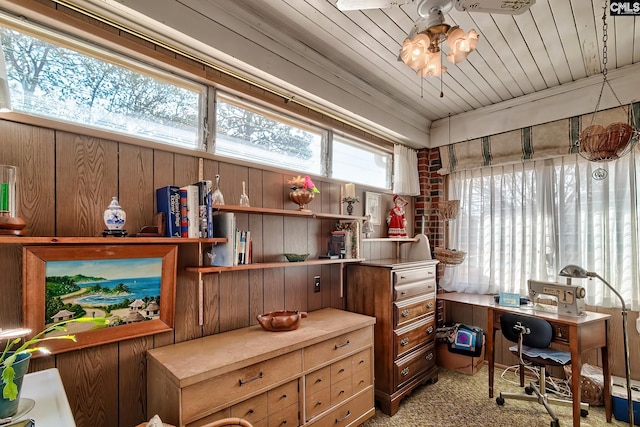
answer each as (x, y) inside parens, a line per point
(265, 265)
(25, 240)
(391, 239)
(285, 212)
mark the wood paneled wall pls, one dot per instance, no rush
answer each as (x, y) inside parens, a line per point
(65, 183)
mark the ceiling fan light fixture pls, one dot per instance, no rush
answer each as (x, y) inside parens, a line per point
(421, 49)
(415, 52)
(461, 44)
(434, 67)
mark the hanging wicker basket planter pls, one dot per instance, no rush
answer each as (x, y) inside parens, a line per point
(448, 209)
(600, 144)
(449, 256)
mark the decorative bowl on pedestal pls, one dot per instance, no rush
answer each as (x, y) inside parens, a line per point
(301, 197)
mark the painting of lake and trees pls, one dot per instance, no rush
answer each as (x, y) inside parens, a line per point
(125, 291)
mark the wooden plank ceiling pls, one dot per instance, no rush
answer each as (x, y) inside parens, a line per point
(348, 60)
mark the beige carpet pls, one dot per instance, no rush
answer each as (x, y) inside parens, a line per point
(459, 400)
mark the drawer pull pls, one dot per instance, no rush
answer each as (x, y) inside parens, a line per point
(404, 313)
(403, 293)
(257, 377)
(405, 341)
(429, 356)
(430, 330)
(284, 422)
(337, 346)
(339, 420)
(284, 396)
(250, 411)
(341, 392)
(318, 404)
(361, 381)
(361, 362)
(405, 372)
(341, 370)
(429, 304)
(319, 380)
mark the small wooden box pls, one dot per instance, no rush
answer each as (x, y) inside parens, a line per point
(458, 362)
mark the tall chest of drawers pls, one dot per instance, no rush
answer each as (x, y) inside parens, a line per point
(401, 295)
(320, 374)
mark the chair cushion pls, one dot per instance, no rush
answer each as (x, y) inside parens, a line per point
(543, 356)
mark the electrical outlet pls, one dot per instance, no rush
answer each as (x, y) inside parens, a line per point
(316, 283)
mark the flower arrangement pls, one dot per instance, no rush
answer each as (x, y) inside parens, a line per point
(303, 183)
(14, 336)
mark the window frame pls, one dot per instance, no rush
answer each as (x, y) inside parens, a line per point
(115, 57)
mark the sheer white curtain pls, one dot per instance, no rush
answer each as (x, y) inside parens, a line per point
(405, 171)
(527, 221)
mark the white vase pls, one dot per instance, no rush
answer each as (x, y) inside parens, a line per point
(114, 216)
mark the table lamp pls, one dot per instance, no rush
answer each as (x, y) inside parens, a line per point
(573, 271)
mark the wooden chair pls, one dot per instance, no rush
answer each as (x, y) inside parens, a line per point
(533, 336)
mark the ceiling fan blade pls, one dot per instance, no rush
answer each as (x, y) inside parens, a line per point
(369, 4)
(508, 7)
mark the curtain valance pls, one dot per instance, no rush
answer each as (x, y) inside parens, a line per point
(544, 141)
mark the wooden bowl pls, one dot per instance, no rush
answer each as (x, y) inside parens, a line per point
(283, 320)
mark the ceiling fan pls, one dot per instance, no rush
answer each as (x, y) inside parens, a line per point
(421, 49)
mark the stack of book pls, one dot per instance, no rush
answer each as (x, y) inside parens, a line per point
(238, 248)
(188, 209)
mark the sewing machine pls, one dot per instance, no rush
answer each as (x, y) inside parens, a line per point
(569, 298)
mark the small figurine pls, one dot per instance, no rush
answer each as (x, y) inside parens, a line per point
(367, 227)
(396, 219)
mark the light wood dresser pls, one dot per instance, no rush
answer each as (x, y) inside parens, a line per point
(320, 374)
(401, 294)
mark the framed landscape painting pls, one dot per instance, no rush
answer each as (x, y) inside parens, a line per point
(133, 286)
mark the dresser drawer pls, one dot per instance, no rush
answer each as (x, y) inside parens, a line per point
(280, 397)
(349, 413)
(253, 410)
(225, 413)
(336, 348)
(407, 311)
(413, 289)
(413, 364)
(361, 380)
(341, 370)
(317, 380)
(341, 391)
(199, 399)
(401, 277)
(362, 360)
(317, 402)
(414, 335)
(285, 417)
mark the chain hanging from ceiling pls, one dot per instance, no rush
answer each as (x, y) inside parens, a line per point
(599, 143)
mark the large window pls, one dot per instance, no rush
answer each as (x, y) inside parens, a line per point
(249, 132)
(84, 85)
(359, 163)
(528, 221)
(55, 76)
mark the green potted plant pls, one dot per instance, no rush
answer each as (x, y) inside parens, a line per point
(14, 359)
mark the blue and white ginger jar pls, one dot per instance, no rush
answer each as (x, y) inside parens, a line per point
(114, 216)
